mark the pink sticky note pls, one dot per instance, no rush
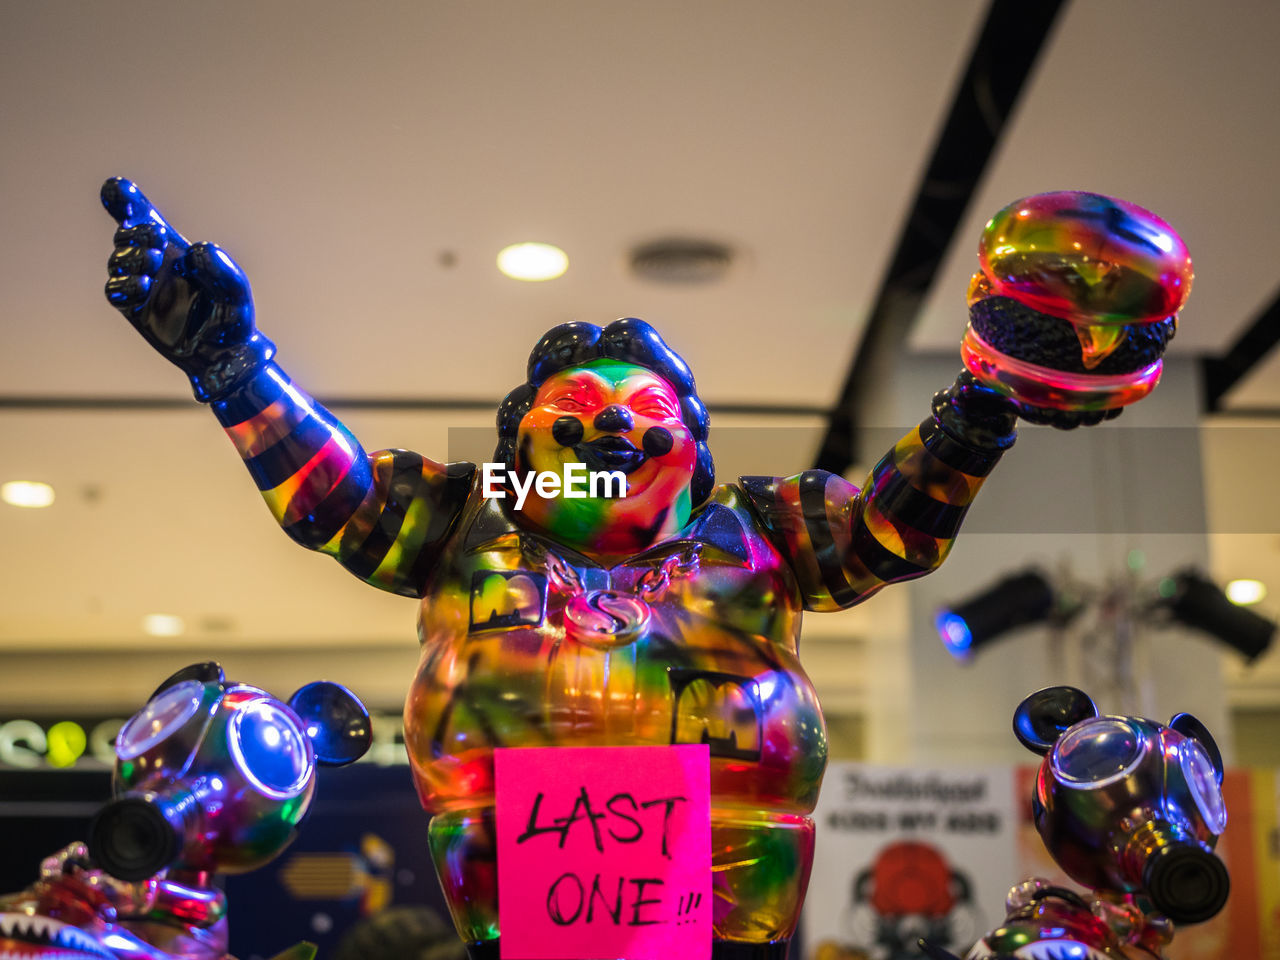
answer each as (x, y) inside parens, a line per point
(604, 852)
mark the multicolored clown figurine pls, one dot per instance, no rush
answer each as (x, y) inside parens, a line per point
(1131, 809)
(211, 777)
(654, 608)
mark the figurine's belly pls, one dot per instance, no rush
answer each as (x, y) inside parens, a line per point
(684, 679)
(511, 657)
(747, 699)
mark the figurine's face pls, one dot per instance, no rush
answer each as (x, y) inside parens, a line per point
(612, 417)
(232, 756)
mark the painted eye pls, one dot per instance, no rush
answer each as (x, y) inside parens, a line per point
(1097, 752)
(569, 404)
(650, 403)
(1202, 778)
(158, 720)
(655, 409)
(270, 749)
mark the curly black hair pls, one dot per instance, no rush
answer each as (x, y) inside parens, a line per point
(628, 340)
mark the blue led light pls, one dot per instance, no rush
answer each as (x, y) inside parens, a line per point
(270, 749)
(954, 632)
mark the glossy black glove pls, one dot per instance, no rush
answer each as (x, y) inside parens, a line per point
(190, 301)
(975, 415)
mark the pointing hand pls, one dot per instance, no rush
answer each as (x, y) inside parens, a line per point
(189, 301)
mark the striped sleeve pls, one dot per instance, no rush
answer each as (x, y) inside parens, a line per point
(382, 516)
(844, 544)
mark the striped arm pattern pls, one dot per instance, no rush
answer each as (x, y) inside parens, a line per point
(382, 516)
(844, 544)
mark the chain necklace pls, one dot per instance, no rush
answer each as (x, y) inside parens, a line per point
(610, 618)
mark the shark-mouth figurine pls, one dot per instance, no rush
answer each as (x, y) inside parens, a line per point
(211, 777)
(24, 935)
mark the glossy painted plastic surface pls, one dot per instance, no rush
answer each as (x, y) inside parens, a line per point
(667, 616)
(1058, 389)
(203, 320)
(1131, 809)
(698, 648)
(1099, 263)
(1048, 921)
(1132, 806)
(211, 777)
(1086, 258)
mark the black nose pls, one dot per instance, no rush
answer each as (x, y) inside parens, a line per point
(614, 419)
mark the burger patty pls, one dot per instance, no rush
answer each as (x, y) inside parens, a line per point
(1025, 334)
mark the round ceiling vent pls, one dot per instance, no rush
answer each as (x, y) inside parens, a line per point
(681, 261)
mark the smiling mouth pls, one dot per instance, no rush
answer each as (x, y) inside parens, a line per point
(610, 453)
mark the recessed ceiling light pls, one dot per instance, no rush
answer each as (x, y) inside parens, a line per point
(532, 261)
(26, 493)
(163, 625)
(1245, 592)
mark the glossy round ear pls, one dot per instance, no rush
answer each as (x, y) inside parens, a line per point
(1189, 726)
(335, 720)
(208, 672)
(1047, 714)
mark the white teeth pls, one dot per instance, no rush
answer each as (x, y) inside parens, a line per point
(1059, 950)
(77, 940)
(44, 931)
(25, 925)
(28, 925)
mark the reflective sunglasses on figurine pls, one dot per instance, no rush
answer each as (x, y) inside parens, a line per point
(1128, 804)
(212, 775)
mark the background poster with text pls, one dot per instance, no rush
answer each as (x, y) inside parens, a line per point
(904, 853)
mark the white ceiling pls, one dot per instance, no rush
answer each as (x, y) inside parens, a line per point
(338, 151)
(1168, 108)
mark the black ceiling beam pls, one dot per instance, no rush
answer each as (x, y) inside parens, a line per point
(1224, 372)
(1002, 59)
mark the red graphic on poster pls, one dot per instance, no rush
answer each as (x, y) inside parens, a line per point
(910, 891)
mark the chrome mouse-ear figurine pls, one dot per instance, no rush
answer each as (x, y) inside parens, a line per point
(211, 777)
(657, 607)
(1131, 809)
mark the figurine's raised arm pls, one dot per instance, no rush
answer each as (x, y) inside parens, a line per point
(1075, 303)
(844, 544)
(380, 515)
